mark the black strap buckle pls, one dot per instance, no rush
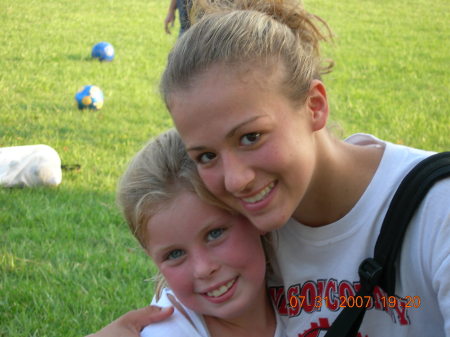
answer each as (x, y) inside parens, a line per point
(370, 274)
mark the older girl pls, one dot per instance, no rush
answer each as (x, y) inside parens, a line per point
(245, 92)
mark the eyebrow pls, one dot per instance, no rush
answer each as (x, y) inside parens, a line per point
(229, 134)
(215, 221)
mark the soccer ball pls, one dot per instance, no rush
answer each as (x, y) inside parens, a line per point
(89, 97)
(103, 51)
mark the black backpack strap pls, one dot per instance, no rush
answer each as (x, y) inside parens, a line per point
(409, 195)
(380, 270)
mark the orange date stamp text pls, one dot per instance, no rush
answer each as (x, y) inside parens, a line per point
(356, 301)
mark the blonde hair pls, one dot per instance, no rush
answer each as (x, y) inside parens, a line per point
(242, 32)
(155, 176)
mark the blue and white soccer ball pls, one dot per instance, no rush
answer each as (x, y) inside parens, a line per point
(103, 51)
(89, 97)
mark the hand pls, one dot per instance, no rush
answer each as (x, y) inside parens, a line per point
(131, 324)
(169, 21)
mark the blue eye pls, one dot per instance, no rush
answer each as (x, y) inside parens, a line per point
(215, 234)
(250, 138)
(175, 254)
(206, 157)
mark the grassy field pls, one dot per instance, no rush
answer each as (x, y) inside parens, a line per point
(68, 264)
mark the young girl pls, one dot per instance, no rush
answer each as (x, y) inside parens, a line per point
(244, 89)
(212, 260)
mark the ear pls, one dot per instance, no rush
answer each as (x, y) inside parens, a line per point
(317, 104)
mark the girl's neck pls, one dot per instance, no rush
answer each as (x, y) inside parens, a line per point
(343, 173)
(257, 321)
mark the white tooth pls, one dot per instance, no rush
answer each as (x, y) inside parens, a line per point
(260, 195)
(218, 292)
(222, 290)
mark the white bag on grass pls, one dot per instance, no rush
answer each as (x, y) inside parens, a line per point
(29, 165)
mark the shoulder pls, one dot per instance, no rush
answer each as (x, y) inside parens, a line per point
(397, 159)
(425, 257)
(183, 322)
(426, 240)
(433, 214)
(393, 151)
(431, 219)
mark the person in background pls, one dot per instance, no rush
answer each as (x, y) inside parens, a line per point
(183, 7)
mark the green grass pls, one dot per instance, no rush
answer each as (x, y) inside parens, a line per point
(68, 264)
(392, 70)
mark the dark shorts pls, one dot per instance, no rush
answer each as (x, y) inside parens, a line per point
(183, 12)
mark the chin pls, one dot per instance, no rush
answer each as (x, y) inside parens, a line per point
(265, 224)
(236, 308)
(233, 313)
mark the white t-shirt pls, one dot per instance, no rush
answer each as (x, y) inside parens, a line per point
(324, 261)
(191, 325)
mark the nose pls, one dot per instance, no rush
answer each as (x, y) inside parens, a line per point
(238, 174)
(204, 265)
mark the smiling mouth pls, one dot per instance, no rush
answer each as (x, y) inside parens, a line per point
(221, 290)
(261, 195)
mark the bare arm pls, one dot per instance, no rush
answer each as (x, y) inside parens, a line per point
(131, 324)
(170, 18)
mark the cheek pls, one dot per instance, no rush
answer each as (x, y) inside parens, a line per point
(287, 159)
(254, 265)
(247, 253)
(212, 180)
(178, 279)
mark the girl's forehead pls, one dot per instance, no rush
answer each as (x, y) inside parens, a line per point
(265, 73)
(188, 209)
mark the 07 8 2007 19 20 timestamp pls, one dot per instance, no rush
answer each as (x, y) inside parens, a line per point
(357, 301)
